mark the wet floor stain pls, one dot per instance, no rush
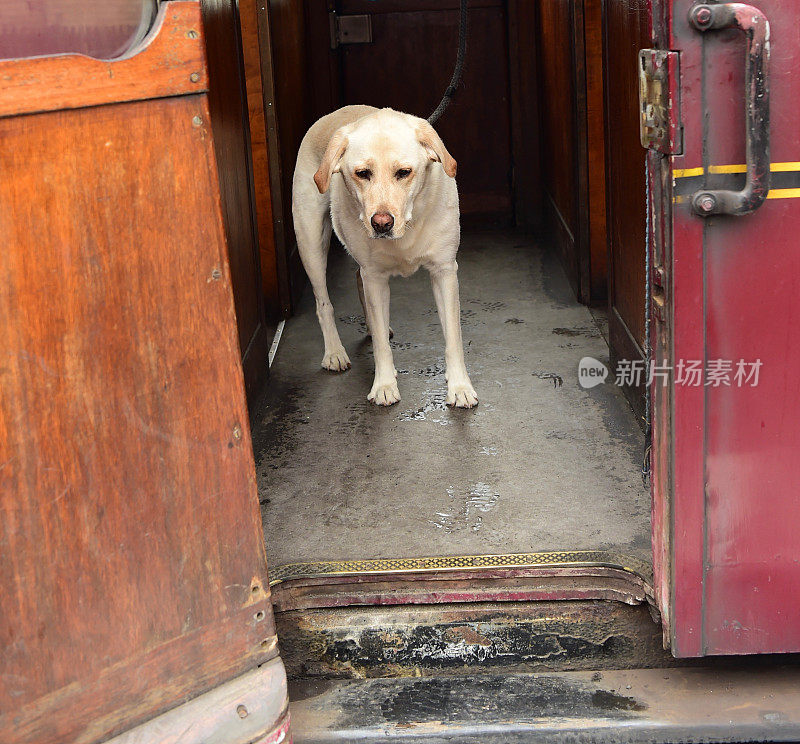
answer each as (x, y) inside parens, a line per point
(466, 511)
(404, 345)
(486, 306)
(434, 408)
(586, 331)
(432, 370)
(557, 380)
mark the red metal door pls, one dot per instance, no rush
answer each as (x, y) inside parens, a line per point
(725, 271)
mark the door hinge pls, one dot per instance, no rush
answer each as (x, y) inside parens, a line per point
(350, 29)
(659, 102)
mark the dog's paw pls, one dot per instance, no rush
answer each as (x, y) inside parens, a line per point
(336, 361)
(461, 395)
(384, 395)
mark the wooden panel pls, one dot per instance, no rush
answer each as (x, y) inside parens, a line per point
(525, 108)
(323, 84)
(573, 143)
(397, 6)
(230, 122)
(596, 151)
(289, 77)
(417, 48)
(627, 31)
(559, 128)
(260, 159)
(132, 567)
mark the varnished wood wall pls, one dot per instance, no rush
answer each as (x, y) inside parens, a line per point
(408, 65)
(230, 121)
(596, 121)
(627, 29)
(557, 91)
(523, 47)
(257, 105)
(572, 138)
(288, 57)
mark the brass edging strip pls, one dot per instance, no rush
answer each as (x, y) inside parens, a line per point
(432, 564)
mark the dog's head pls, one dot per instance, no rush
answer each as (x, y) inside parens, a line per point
(384, 158)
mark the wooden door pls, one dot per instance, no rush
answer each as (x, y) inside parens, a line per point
(132, 564)
(726, 275)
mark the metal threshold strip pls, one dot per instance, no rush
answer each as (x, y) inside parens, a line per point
(469, 564)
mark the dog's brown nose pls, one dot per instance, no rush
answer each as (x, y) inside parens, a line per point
(382, 222)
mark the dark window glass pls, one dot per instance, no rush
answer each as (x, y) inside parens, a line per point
(98, 28)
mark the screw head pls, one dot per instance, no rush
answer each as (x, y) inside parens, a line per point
(702, 16)
(191, 34)
(706, 203)
(194, 77)
(197, 121)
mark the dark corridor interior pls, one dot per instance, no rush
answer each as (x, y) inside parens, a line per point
(544, 124)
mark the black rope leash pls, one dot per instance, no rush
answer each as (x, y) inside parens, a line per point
(456, 79)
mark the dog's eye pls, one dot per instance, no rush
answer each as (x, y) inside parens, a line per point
(402, 173)
(364, 174)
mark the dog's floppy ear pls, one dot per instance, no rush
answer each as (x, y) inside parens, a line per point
(435, 148)
(330, 160)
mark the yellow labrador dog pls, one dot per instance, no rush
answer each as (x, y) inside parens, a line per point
(386, 183)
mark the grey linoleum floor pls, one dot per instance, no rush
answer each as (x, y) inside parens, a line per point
(536, 466)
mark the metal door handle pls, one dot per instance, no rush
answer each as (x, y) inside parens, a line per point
(755, 26)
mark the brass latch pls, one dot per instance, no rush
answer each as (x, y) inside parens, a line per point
(350, 29)
(659, 102)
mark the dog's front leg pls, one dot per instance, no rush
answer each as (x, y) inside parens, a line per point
(444, 279)
(376, 304)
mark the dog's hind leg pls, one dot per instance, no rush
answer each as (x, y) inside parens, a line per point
(313, 230)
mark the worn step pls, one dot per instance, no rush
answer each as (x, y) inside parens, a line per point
(397, 641)
(612, 707)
